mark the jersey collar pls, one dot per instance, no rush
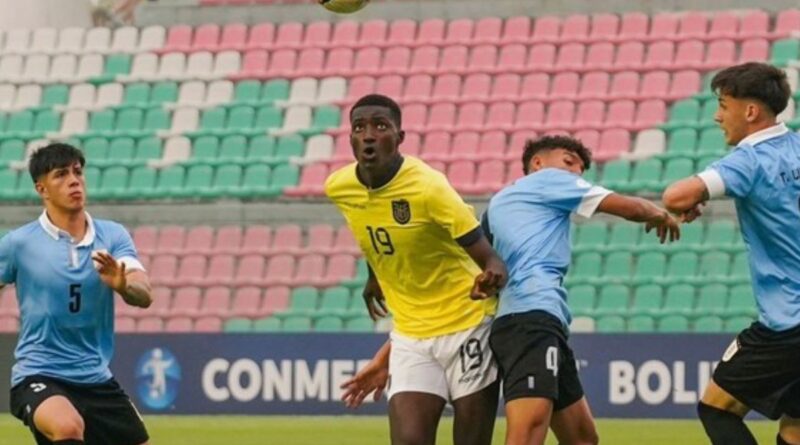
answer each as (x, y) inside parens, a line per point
(762, 135)
(55, 232)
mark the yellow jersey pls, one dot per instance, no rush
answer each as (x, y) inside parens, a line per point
(407, 231)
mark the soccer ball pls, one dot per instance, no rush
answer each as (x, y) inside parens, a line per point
(343, 6)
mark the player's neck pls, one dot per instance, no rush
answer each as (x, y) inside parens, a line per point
(378, 179)
(73, 223)
(761, 125)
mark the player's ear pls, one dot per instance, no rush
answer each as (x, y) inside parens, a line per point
(752, 112)
(401, 136)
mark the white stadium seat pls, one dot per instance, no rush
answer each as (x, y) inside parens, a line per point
(219, 92)
(152, 38)
(331, 90)
(126, 40)
(109, 95)
(43, 40)
(98, 41)
(70, 40)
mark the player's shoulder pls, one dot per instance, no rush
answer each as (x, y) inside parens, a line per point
(24, 232)
(341, 177)
(109, 227)
(419, 171)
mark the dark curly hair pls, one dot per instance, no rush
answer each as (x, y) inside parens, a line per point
(753, 80)
(545, 143)
(381, 101)
(53, 156)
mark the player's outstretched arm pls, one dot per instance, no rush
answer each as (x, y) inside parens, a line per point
(641, 210)
(494, 275)
(686, 197)
(373, 297)
(133, 286)
(373, 377)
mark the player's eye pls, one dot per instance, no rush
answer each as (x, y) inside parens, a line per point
(381, 126)
(358, 127)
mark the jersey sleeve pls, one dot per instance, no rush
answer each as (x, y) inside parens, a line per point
(733, 175)
(125, 252)
(447, 209)
(487, 231)
(571, 193)
(8, 267)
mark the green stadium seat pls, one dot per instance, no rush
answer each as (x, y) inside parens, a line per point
(650, 266)
(691, 238)
(590, 175)
(268, 324)
(624, 236)
(115, 65)
(233, 149)
(170, 182)
(678, 300)
(591, 236)
(641, 323)
(256, 181)
(586, 266)
(646, 175)
(53, 95)
(325, 117)
(736, 324)
(708, 324)
(227, 180)
(266, 119)
(94, 149)
(237, 325)
(334, 301)
(672, 324)
(741, 302)
(129, 122)
(284, 176)
(303, 302)
(707, 114)
(275, 90)
(12, 150)
(163, 92)
(198, 181)
(714, 266)
(740, 270)
(212, 122)
(616, 174)
(46, 121)
(8, 184)
(684, 113)
(142, 183)
(682, 142)
(240, 120)
(712, 142)
(705, 161)
(647, 299)
(91, 176)
(121, 151)
(677, 169)
(613, 300)
(101, 123)
(357, 306)
(156, 119)
(785, 51)
(712, 299)
(205, 150)
(682, 267)
(296, 324)
(581, 299)
(359, 324)
(706, 92)
(114, 183)
(360, 277)
(136, 95)
(262, 148)
(617, 267)
(19, 125)
(610, 324)
(329, 323)
(247, 92)
(148, 148)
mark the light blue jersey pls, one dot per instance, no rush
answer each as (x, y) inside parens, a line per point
(762, 174)
(66, 312)
(529, 224)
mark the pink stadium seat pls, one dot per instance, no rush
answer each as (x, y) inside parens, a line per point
(453, 60)
(787, 23)
(512, 59)
(547, 29)
(754, 50)
(179, 39)
(424, 60)
(542, 57)
(390, 85)
(650, 113)
(234, 37)
(163, 268)
(755, 25)
(490, 177)
(287, 239)
(690, 54)
(664, 27)
(530, 115)
(500, 116)
(487, 31)
(431, 32)
(570, 56)
(660, 55)
(282, 63)
(418, 89)
(684, 84)
(630, 56)
(144, 238)
(206, 38)
(476, 88)
(446, 87)
(492, 146)
(599, 56)
(633, 27)
(345, 35)
(310, 270)
(262, 36)
(254, 65)
(589, 138)
(620, 114)
(560, 115)
(471, 117)
(342, 152)
(310, 63)
(535, 86)
(208, 325)
(395, 60)
(459, 32)
(220, 271)
(441, 116)
(655, 84)
(564, 86)
(465, 145)
(124, 325)
(280, 270)
(624, 85)
(199, 239)
(415, 116)
(276, 298)
(250, 271)
(186, 302)
(257, 240)
(228, 240)
(613, 142)
(590, 115)
(320, 239)
(192, 271)
(358, 87)
(505, 87)
(517, 30)
(575, 28)
(178, 325)
(721, 53)
(312, 180)
(373, 33)
(724, 25)
(318, 34)
(8, 303)
(412, 144)
(513, 171)
(145, 260)
(345, 242)
(150, 325)
(339, 62)
(461, 175)
(437, 146)
(340, 267)
(216, 301)
(693, 25)
(171, 239)
(402, 32)
(289, 36)
(483, 59)
(162, 302)
(604, 28)
(246, 302)
(212, 2)
(594, 85)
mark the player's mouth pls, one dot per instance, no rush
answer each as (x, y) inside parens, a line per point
(369, 154)
(76, 195)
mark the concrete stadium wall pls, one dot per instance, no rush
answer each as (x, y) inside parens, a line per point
(42, 13)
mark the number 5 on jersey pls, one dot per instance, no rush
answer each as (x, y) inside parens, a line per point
(381, 241)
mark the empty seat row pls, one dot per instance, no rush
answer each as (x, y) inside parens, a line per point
(662, 324)
(714, 237)
(75, 40)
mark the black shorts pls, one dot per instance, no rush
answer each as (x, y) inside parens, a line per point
(108, 413)
(761, 368)
(534, 359)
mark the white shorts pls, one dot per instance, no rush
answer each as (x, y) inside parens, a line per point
(451, 366)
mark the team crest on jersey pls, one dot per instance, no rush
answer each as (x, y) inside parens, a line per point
(401, 211)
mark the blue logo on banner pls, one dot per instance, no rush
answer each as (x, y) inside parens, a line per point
(158, 375)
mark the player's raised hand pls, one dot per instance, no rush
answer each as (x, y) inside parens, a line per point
(666, 226)
(692, 214)
(487, 284)
(112, 272)
(373, 298)
(372, 378)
